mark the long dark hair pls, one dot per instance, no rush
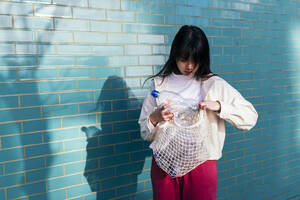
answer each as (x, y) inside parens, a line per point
(189, 41)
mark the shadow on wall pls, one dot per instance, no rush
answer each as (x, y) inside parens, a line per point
(115, 152)
(25, 86)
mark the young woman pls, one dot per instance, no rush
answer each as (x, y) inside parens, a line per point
(187, 72)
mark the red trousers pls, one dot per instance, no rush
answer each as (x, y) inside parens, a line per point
(198, 184)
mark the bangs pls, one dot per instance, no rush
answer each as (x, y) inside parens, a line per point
(188, 51)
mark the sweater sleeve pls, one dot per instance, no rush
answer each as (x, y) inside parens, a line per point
(234, 107)
(149, 105)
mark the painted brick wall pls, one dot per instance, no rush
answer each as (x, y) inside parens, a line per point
(71, 74)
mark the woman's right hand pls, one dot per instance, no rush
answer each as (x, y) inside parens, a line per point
(162, 114)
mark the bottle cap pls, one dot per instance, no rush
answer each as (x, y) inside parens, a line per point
(155, 93)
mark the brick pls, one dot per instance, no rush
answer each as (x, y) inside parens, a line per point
(99, 152)
(108, 50)
(124, 38)
(92, 107)
(75, 97)
(204, 3)
(54, 86)
(81, 3)
(22, 48)
(71, 25)
(230, 14)
(141, 155)
(112, 116)
(111, 95)
(8, 75)
(125, 126)
(37, 100)
(113, 4)
(5, 21)
(59, 110)
(189, 11)
(121, 16)
(137, 28)
(163, 9)
(63, 158)
(129, 168)
(98, 174)
(35, 1)
(92, 83)
(56, 60)
(60, 135)
(2, 194)
(163, 29)
(17, 61)
(114, 182)
(78, 190)
(88, 13)
(152, 60)
(44, 173)
(75, 144)
(134, 6)
(78, 120)
(108, 194)
(138, 49)
(26, 139)
(30, 189)
(75, 73)
(41, 124)
(161, 49)
(7, 48)
(89, 37)
(151, 39)
(58, 194)
(126, 104)
(91, 60)
(144, 195)
(11, 154)
(54, 36)
(43, 149)
(177, 1)
(52, 11)
(106, 26)
(10, 180)
(150, 18)
(24, 164)
(10, 128)
(64, 182)
(80, 166)
(37, 74)
(139, 71)
(123, 60)
(33, 22)
(19, 114)
(177, 20)
(125, 190)
(15, 8)
(113, 139)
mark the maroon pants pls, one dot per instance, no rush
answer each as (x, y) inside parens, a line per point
(198, 184)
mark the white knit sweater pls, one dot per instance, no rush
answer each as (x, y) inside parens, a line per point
(234, 108)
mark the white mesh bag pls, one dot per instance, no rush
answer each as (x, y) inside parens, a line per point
(179, 145)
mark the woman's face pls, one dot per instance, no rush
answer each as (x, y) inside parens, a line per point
(187, 67)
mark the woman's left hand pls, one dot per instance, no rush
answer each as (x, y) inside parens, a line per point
(209, 105)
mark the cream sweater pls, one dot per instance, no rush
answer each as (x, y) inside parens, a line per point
(234, 108)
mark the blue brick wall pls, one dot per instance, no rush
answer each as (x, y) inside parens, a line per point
(71, 75)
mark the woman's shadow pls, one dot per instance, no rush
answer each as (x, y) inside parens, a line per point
(115, 153)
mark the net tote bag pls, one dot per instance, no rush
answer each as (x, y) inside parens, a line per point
(179, 145)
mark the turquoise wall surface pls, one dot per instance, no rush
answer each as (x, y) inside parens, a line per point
(71, 75)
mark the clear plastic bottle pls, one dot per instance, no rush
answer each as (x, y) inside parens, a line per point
(187, 113)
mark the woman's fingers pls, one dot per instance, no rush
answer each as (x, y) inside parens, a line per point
(210, 105)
